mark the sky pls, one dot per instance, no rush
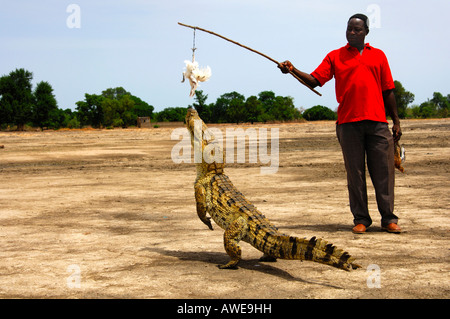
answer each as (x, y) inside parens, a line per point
(87, 46)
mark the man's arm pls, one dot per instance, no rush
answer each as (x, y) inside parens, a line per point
(391, 107)
(287, 66)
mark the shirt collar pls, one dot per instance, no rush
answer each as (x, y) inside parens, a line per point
(367, 45)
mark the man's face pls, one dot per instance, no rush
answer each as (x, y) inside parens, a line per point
(356, 32)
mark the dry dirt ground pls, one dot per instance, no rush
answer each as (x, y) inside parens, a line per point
(108, 214)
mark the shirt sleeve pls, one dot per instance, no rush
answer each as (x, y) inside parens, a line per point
(325, 71)
(387, 82)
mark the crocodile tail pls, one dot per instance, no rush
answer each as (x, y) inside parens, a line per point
(314, 249)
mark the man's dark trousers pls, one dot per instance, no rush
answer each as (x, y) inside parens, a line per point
(373, 139)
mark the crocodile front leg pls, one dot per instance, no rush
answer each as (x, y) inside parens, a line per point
(200, 199)
(233, 234)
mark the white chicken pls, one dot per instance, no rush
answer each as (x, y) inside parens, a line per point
(194, 74)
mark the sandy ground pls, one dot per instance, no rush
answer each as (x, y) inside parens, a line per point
(108, 214)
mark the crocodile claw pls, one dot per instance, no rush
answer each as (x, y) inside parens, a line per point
(207, 222)
(230, 265)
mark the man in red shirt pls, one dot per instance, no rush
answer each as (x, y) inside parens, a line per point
(364, 90)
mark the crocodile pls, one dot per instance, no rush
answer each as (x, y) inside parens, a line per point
(216, 196)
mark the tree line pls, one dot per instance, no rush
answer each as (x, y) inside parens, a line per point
(233, 107)
(22, 105)
(19, 104)
(115, 107)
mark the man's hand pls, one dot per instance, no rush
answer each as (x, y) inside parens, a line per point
(285, 66)
(396, 132)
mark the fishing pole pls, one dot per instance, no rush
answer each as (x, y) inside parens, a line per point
(253, 50)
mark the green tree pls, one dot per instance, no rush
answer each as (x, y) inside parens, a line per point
(319, 112)
(442, 103)
(235, 111)
(427, 110)
(6, 111)
(90, 111)
(72, 120)
(16, 98)
(267, 98)
(220, 109)
(110, 109)
(126, 111)
(118, 112)
(141, 108)
(403, 99)
(115, 93)
(254, 109)
(114, 107)
(172, 114)
(45, 106)
(200, 105)
(283, 109)
(413, 111)
(64, 117)
(58, 118)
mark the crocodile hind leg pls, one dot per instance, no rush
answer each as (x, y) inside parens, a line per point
(233, 234)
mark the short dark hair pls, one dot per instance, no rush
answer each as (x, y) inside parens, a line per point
(362, 17)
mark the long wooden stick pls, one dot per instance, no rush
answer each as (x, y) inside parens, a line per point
(257, 52)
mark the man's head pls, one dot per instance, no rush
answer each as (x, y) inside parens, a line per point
(357, 29)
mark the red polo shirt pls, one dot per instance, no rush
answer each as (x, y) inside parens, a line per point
(360, 81)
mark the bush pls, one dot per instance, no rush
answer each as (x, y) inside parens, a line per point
(319, 112)
(427, 110)
(74, 123)
(118, 122)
